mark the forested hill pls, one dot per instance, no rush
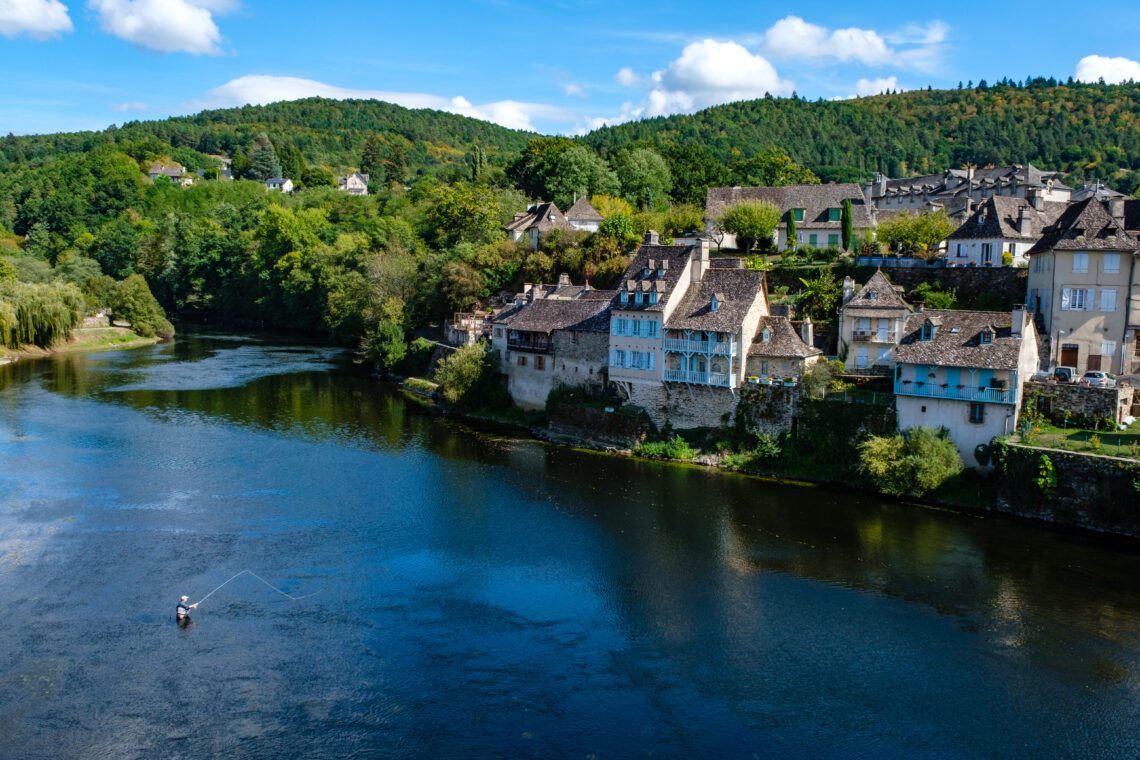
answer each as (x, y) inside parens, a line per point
(1084, 130)
(325, 132)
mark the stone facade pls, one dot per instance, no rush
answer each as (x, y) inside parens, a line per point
(1007, 283)
(580, 358)
(683, 406)
(1084, 402)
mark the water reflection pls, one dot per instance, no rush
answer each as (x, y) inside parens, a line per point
(482, 597)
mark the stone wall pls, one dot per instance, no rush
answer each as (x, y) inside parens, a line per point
(684, 406)
(580, 358)
(768, 409)
(1008, 283)
(1085, 403)
(594, 424)
(1091, 492)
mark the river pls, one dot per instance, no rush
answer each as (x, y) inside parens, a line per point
(462, 595)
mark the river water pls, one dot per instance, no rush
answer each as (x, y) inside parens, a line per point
(475, 597)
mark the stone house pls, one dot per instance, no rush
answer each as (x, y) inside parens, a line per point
(1001, 225)
(965, 371)
(957, 191)
(177, 174)
(536, 221)
(280, 184)
(354, 184)
(870, 324)
(583, 217)
(816, 209)
(779, 352)
(1083, 286)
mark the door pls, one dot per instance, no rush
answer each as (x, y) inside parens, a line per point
(1094, 362)
(882, 338)
(1068, 355)
(861, 358)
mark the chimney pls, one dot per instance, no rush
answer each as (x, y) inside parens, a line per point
(701, 260)
(1024, 222)
(882, 184)
(806, 331)
(651, 238)
(918, 306)
(970, 175)
(1036, 198)
(1017, 325)
(1116, 209)
(848, 289)
(563, 280)
(868, 190)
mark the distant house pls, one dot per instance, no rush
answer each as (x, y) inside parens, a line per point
(871, 324)
(582, 216)
(354, 184)
(1000, 225)
(964, 371)
(779, 352)
(279, 183)
(816, 209)
(537, 221)
(177, 174)
(957, 191)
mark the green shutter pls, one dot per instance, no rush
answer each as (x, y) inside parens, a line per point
(813, 240)
(833, 215)
(798, 214)
(832, 240)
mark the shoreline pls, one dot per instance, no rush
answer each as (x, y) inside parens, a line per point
(82, 339)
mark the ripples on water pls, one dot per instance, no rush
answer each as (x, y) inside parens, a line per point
(478, 597)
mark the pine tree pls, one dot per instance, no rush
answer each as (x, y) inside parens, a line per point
(372, 159)
(793, 237)
(263, 162)
(847, 223)
(395, 166)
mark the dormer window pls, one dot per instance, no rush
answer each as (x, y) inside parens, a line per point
(765, 335)
(625, 296)
(652, 297)
(714, 304)
(637, 298)
(798, 214)
(834, 215)
(660, 272)
(981, 219)
(927, 332)
(987, 336)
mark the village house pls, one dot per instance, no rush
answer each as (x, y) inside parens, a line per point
(958, 191)
(582, 216)
(176, 174)
(964, 371)
(280, 184)
(1001, 225)
(537, 221)
(870, 324)
(778, 352)
(816, 210)
(354, 184)
(1082, 280)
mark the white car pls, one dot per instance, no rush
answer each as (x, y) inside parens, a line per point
(1094, 377)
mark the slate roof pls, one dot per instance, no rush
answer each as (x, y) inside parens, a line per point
(544, 217)
(735, 291)
(954, 182)
(1085, 226)
(963, 348)
(814, 199)
(1095, 190)
(170, 171)
(999, 215)
(582, 211)
(598, 295)
(878, 294)
(784, 342)
(546, 316)
(677, 258)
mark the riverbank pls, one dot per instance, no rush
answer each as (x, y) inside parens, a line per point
(82, 339)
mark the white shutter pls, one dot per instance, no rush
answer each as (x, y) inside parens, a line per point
(1108, 348)
(1066, 297)
(1108, 299)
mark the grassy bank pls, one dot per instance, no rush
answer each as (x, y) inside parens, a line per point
(83, 339)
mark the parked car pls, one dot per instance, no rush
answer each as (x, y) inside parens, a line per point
(1095, 377)
(1064, 374)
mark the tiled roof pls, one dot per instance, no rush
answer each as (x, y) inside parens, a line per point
(957, 340)
(735, 291)
(783, 340)
(676, 258)
(548, 315)
(1095, 190)
(1085, 226)
(814, 199)
(597, 295)
(582, 211)
(544, 217)
(877, 293)
(999, 216)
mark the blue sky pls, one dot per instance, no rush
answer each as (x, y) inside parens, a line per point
(554, 67)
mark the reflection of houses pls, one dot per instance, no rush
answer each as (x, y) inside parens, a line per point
(778, 351)
(536, 221)
(582, 216)
(1001, 225)
(958, 190)
(354, 184)
(549, 342)
(1081, 281)
(280, 184)
(816, 209)
(870, 324)
(964, 370)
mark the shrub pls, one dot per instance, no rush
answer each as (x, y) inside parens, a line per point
(675, 448)
(134, 304)
(468, 379)
(911, 463)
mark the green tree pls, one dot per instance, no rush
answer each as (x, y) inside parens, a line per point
(395, 167)
(915, 234)
(911, 463)
(793, 235)
(462, 213)
(467, 377)
(134, 304)
(578, 170)
(847, 223)
(821, 296)
(461, 285)
(263, 161)
(752, 222)
(476, 163)
(372, 159)
(644, 176)
(770, 168)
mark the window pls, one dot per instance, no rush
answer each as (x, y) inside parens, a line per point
(884, 355)
(813, 240)
(977, 413)
(1108, 348)
(1111, 263)
(522, 360)
(987, 336)
(1080, 262)
(1073, 299)
(960, 254)
(987, 253)
(714, 305)
(625, 296)
(637, 298)
(927, 332)
(652, 329)
(540, 362)
(766, 335)
(1108, 299)
(798, 214)
(498, 332)
(861, 357)
(636, 325)
(834, 215)
(832, 239)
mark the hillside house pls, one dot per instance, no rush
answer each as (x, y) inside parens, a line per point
(958, 191)
(280, 184)
(354, 184)
(176, 174)
(583, 217)
(965, 371)
(1000, 225)
(871, 324)
(816, 209)
(779, 352)
(537, 221)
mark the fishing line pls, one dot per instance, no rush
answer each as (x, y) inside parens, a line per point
(267, 583)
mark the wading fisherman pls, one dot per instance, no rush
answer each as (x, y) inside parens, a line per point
(183, 610)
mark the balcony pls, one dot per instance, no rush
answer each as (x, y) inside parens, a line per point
(718, 379)
(719, 348)
(471, 323)
(531, 346)
(953, 392)
(872, 336)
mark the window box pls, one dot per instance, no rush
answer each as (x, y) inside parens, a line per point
(919, 382)
(765, 381)
(789, 382)
(753, 379)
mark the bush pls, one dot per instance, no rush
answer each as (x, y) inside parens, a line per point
(675, 448)
(133, 303)
(911, 463)
(468, 380)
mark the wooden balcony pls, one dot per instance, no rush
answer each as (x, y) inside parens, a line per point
(712, 348)
(718, 379)
(953, 392)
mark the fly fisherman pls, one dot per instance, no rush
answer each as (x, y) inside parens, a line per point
(183, 610)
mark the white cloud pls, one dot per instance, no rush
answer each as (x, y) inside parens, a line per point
(573, 90)
(793, 38)
(164, 26)
(711, 72)
(131, 105)
(1092, 68)
(39, 19)
(933, 33)
(866, 87)
(626, 78)
(261, 89)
